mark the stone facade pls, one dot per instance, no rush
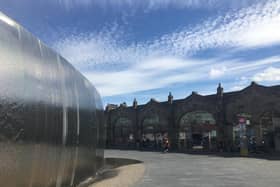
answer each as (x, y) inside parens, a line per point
(210, 122)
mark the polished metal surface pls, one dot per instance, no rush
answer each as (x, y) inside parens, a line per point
(51, 117)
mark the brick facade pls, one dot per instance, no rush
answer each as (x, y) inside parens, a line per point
(187, 122)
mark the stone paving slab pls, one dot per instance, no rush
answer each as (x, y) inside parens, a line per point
(187, 170)
(126, 176)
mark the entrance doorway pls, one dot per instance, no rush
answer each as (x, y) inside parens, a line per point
(197, 139)
(123, 133)
(197, 131)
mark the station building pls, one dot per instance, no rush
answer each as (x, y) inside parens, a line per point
(205, 122)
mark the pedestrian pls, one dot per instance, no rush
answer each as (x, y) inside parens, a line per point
(166, 145)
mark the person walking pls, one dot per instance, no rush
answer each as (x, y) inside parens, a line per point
(166, 145)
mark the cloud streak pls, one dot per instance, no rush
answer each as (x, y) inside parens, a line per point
(257, 26)
(143, 76)
(168, 59)
(150, 5)
(269, 74)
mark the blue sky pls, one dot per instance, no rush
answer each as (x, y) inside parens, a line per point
(145, 48)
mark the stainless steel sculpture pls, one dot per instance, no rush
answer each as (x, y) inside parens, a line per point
(51, 117)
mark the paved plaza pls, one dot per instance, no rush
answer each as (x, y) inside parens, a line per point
(186, 170)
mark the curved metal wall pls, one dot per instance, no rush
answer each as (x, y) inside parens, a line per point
(51, 117)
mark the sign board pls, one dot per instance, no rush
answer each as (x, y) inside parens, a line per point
(182, 135)
(241, 120)
(213, 133)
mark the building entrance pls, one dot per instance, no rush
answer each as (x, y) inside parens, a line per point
(123, 133)
(197, 140)
(267, 133)
(197, 131)
(153, 134)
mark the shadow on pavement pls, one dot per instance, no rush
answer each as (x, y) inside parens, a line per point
(110, 169)
(118, 162)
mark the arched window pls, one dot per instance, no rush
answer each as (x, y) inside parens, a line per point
(154, 130)
(150, 123)
(197, 129)
(197, 118)
(123, 130)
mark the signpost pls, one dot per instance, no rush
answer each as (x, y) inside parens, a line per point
(243, 121)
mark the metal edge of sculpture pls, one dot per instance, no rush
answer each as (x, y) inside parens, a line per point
(51, 117)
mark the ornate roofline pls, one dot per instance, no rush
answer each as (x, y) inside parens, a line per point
(253, 85)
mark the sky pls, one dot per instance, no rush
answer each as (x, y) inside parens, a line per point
(147, 48)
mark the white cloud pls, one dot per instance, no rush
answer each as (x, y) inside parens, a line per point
(271, 74)
(256, 26)
(165, 61)
(149, 5)
(239, 83)
(238, 87)
(217, 72)
(265, 32)
(236, 67)
(141, 77)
